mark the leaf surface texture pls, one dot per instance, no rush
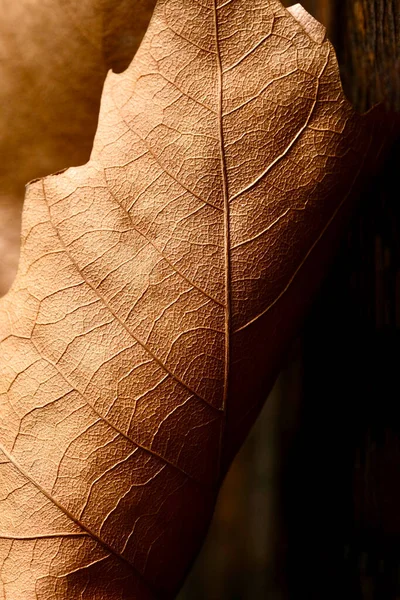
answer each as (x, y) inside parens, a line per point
(158, 288)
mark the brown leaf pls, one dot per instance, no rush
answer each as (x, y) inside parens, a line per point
(54, 56)
(158, 288)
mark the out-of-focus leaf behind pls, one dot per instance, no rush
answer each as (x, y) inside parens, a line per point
(54, 56)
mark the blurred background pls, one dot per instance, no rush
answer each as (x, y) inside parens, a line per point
(311, 506)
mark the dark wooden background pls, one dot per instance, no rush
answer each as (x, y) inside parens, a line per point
(311, 507)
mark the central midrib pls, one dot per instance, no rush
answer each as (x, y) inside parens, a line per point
(226, 210)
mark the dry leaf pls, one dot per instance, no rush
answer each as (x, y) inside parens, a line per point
(158, 288)
(54, 56)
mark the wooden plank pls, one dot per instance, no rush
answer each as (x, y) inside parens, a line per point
(349, 456)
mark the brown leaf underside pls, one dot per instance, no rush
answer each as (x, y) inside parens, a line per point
(158, 288)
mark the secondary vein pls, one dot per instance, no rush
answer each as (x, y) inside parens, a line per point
(85, 528)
